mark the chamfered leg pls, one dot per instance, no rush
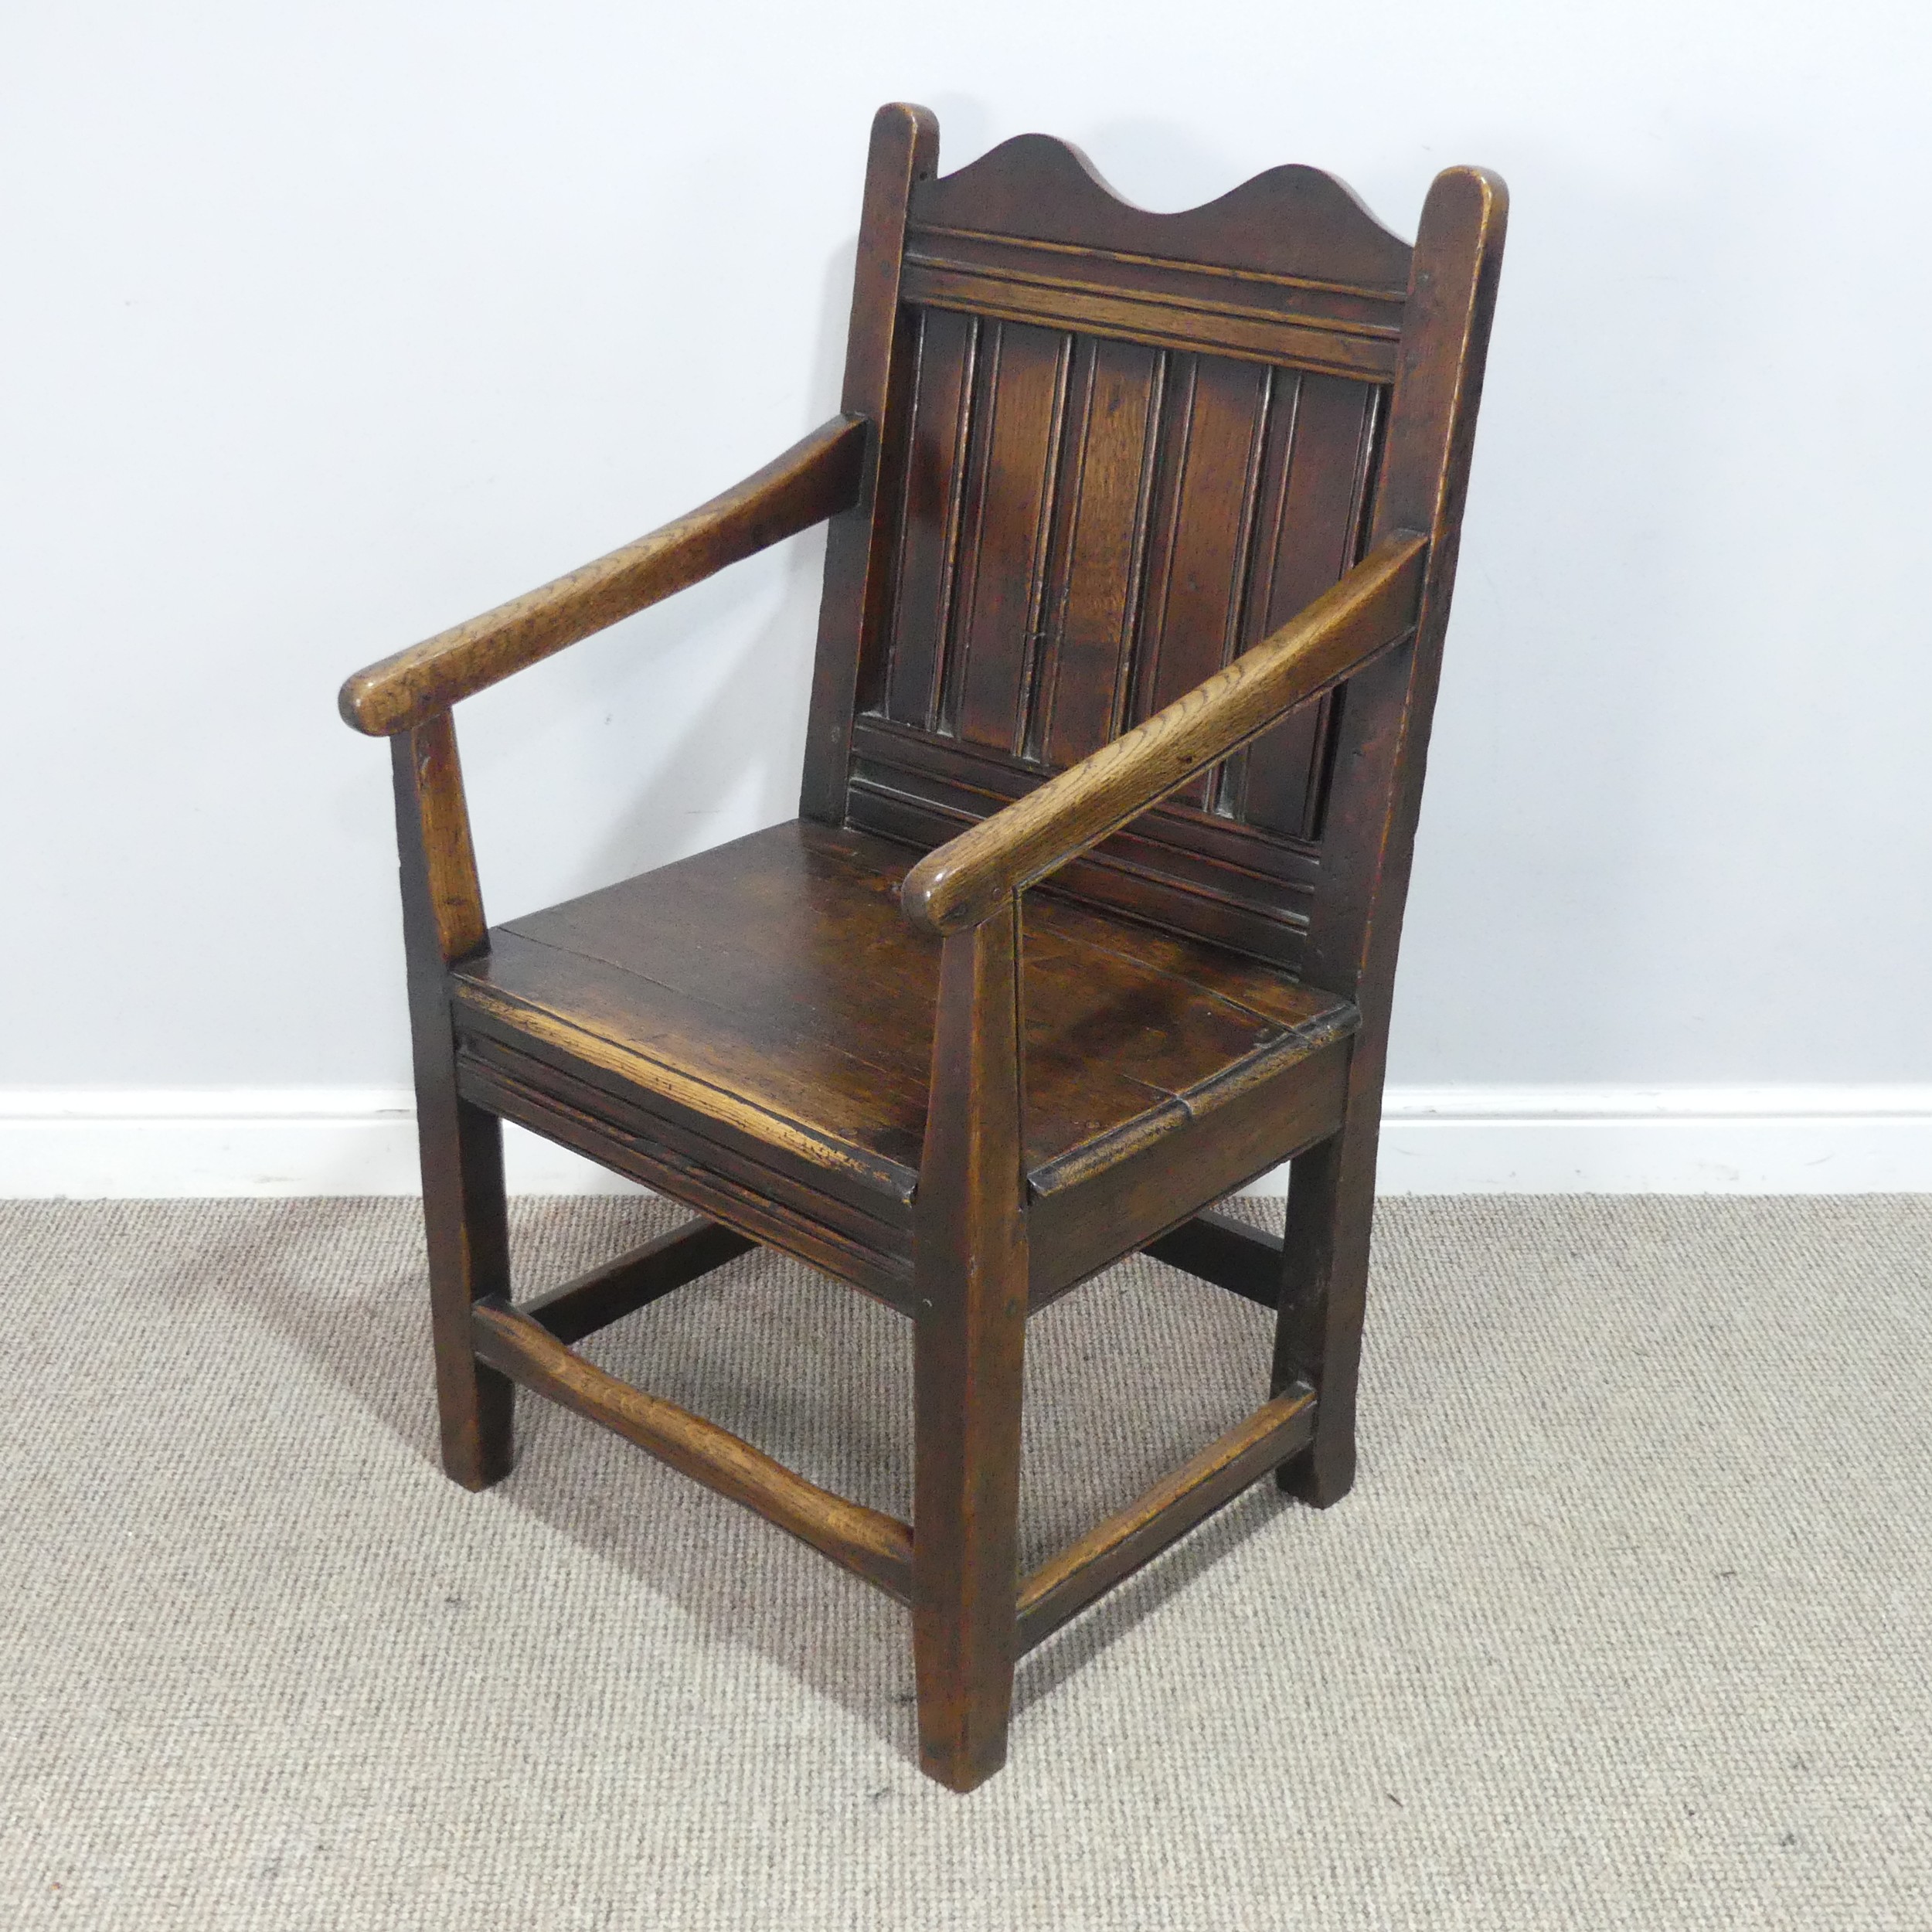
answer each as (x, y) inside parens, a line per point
(1324, 1280)
(968, 1352)
(966, 1376)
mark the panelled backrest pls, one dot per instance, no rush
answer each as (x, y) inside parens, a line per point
(1118, 449)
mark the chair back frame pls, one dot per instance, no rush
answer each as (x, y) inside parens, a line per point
(1114, 450)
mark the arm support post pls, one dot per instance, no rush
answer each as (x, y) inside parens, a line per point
(968, 880)
(462, 1146)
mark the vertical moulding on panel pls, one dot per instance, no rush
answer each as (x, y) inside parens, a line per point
(926, 569)
(1311, 538)
(1078, 699)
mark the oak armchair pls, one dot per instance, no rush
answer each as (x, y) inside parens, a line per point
(1143, 529)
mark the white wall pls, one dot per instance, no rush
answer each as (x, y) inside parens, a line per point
(325, 326)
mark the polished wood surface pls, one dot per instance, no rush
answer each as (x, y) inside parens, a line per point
(969, 1335)
(815, 478)
(1143, 528)
(1216, 1247)
(461, 1145)
(1115, 1549)
(1101, 512)
(876, 1546)
(1355, 924)
(635, 1279)
(1370, 609)
(904, 151)
(861, 1237)
(771, 985)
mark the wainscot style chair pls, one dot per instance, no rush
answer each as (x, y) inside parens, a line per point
(1142, 531)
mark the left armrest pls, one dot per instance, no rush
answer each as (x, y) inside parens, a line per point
(817, 477)
(968, 878)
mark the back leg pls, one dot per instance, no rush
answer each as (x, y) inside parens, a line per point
(1324, 1281)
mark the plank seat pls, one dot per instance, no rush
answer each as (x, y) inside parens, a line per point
(769, 997)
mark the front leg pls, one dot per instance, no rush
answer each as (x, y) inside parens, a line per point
(968, 1352)
(1325, 1287)
(463, 1210)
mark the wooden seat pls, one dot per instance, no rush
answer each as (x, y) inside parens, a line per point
(767, 1004)
(1142, 530)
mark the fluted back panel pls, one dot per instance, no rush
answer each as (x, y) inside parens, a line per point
(1128, 447)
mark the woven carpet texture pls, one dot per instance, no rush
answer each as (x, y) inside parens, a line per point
(1628, 1623)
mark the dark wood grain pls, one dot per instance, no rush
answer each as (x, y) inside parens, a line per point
(1077, 1229)
(1011, 473)
(878, 382)
(1172, 866)
(1356, 928)
(1103, 518)
(1216, 1247)
(461, 1145)
(635, 1279)
(1371, 608)
(771, 988)
(1066, 301)
(1182, 415)
(1292, 231)
(1206, 498)
(1318, 476)
(1122, 1544)
(873, 1546)
(815, 478)
(969, 1334)
(711, 1173)
(931, 514)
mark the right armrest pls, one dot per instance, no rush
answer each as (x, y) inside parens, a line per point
(965, 880)
(815, 479)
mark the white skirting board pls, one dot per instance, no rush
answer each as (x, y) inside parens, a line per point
(150, 1143)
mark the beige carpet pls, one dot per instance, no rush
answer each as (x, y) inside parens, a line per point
(1628, 1623)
